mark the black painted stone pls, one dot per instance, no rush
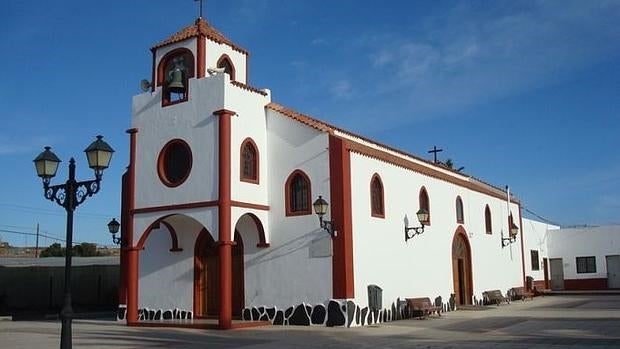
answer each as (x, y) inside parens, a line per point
(364, 313)
(271, 312)
(335, 316)
(279, 318)
(121, 312)
(350, 312)
(357, 314)
(288, 312)
(158, 315)
(375, 316)
(140, 314)
(264, 317)
(308, 309)
(318, 314)
(255, 314)
(261, 310)
(300, 316)
(246, 314)
(167, 315)
(394, 312)
(151, 314)
(190, 315)
(183, 314)
(384, 317)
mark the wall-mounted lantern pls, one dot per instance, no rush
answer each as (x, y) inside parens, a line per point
(320, 208)
(422, 217)
(512, 237)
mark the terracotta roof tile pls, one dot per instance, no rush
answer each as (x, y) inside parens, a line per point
(200, 27)
(248, 87)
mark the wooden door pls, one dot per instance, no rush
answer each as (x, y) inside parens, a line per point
(613, 271)
(557, 273)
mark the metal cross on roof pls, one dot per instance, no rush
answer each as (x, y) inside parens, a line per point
(435, 151)
(199, 8)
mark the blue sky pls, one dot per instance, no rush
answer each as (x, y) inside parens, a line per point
(524, 93)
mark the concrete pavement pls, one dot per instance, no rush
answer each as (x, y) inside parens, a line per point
(584, 321)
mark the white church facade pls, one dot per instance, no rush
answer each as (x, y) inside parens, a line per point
(218, 217)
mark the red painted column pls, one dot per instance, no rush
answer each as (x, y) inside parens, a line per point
(340, 193)
(122, 287)
(225, 208)
(200, 53)
(131, 252)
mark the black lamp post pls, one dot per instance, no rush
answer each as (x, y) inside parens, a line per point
(113, 227)
(70, 195)
(422, 217)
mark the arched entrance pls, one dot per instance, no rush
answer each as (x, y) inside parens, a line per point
(207, 276)
(461, 267)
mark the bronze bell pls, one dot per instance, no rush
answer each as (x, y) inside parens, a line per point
(175, 83)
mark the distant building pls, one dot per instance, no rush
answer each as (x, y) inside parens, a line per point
(586, 258)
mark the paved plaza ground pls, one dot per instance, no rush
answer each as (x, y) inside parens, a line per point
(578, 321)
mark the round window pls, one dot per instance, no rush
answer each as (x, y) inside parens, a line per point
(175, 163)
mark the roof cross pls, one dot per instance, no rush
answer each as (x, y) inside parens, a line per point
(435, 151)
(199, 8)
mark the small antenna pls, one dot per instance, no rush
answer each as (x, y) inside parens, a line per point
(199, 8)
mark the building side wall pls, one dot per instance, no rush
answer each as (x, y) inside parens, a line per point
(297, 266)
(571, 243)
(536, 237)
(422, 267)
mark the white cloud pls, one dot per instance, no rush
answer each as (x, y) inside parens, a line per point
(473, 55)
(341, 89)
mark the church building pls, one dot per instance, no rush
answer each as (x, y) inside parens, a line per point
(238, 208)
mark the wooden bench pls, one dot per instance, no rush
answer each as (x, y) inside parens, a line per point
(422, 307)
(494, 297)
(520, 293)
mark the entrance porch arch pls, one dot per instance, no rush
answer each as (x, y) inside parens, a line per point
(462, 267)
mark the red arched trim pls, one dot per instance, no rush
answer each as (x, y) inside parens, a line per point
(377, 197)
(155, 225)
(161, 75)
(161, 165)
(204, 237)
(161, 67)
(255, 164)
(222, 61)
(306, 210)
(460, 214)
(425, 203)
(469, 279)
(262, 242)
(488, 223)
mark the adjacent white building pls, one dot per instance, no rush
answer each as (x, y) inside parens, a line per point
(218, 218)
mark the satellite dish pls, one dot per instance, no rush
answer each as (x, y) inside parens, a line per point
(145, 85)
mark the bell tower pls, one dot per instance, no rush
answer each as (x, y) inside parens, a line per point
(194, 52)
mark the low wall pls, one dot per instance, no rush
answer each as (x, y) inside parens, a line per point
(39, 289)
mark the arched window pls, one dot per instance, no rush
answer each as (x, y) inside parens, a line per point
(459, 211)
(487, 220)
(173, 74)
(298, 194)
(249, 161)
(377, 208)
(226, 63)
(425, 204)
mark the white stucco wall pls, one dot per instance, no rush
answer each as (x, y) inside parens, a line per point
(287, 273)
(536, 237)
(570, 243)
(423, 266)
(166, 278)
(239, 60)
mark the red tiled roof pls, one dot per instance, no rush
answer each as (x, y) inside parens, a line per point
(200, 27)
(429, 168)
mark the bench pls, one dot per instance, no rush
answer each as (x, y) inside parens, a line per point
(494, 297)
(422, 307)
(520, 293)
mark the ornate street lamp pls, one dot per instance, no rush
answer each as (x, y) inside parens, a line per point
(113, 227)
(422, 217)
(70, 195)
(320, 208)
